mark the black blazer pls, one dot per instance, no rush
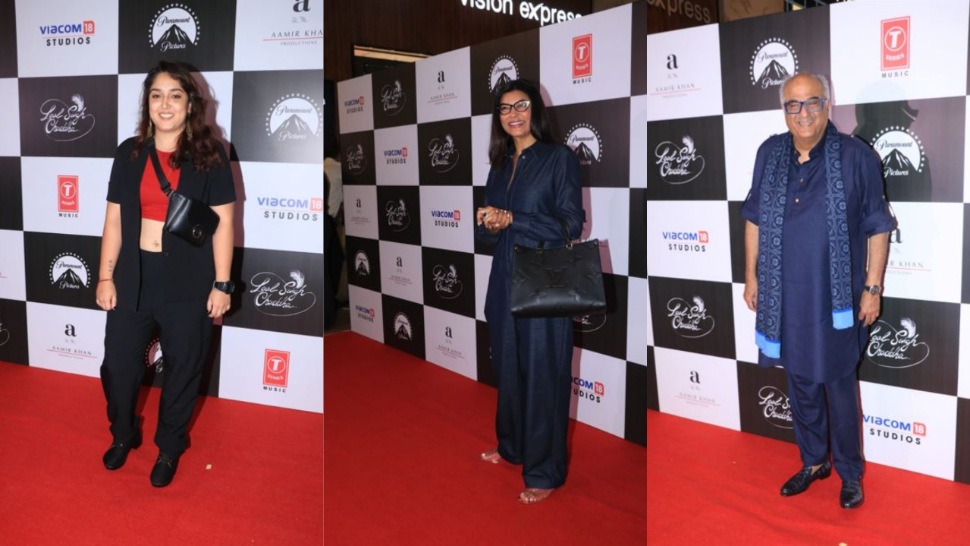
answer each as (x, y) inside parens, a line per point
(191, 269)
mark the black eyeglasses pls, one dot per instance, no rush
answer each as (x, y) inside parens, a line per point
(520, 106)
(814, 105)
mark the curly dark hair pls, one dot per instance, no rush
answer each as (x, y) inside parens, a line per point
(202, 148)
(500, 142)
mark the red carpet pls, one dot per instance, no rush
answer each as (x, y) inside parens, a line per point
(711, 485)
(264, 485)
(402, 463)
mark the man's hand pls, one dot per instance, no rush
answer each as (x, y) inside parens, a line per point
(868, 308)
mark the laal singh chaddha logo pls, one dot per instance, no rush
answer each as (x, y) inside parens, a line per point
(773, 61)
(69, 272)
(174, 28)
(585, 142)
(901, 152)
(63, 122)
(504, 69)
(294, 117)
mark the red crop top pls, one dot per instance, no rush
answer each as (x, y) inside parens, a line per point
(154, 203)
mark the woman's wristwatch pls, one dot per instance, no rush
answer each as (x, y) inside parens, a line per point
(224, 286)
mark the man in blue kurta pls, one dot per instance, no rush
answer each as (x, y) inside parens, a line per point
(816, 243)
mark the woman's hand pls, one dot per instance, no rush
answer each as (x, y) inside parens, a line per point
(218, 303)
(106, 295)
(493, 219)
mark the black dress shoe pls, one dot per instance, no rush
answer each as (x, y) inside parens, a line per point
(164, 470)
(117, 454)
(800, 482)
(851, 495)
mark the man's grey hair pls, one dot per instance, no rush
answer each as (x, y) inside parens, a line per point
(821, 79)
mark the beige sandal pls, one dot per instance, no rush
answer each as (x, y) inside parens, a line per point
(491, 456)
(532, 495)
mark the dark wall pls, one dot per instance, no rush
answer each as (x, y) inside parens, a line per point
(421, 26)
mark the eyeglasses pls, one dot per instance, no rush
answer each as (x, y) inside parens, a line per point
(814, 105)
(520, 106)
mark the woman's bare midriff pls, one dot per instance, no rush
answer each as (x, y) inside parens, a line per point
(151, 235)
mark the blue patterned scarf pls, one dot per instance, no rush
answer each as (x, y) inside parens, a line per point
(774, 191)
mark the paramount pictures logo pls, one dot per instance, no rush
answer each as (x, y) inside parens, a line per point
(294, 117)
(174, 28)
(773, 61)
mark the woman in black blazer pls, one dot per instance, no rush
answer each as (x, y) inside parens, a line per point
(150, 278)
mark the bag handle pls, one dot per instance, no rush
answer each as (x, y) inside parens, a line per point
(163, 180)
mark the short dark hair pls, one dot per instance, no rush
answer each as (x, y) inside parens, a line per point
(501, 142)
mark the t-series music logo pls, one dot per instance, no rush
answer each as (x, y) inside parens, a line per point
(583, 58)
(68, 34)
(276, 370)
(67, 196)
(895, 47)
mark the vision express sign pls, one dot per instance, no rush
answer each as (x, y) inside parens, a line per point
(534, 11)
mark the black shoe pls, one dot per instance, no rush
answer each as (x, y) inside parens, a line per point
(164, 470)
(800, 482)
(851, 494)
(117, 454)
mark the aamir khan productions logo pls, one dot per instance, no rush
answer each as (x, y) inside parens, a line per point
(504, 69)
(355, 159)
(396, 156)
(673, 87)
(775, 407)
(174, 28)
(354, 106)
(65, 123)
(276, 370)
(393, 98)
(901, 151)
(896, 348)
(582, 58)
(772, 62)
(895, 47)
(678, 163)
(300, 31)
(690, 320)
(69, 271)
(402, 327)
(67, 34)
(443, 153)
(442, 95)
(594, 391)
(67, 195)
(396, 213)
(68, 346)
(446, 218)
(278, 297)
(361, 264)
(446, 281)
(586, 143)
(907, 432)
(294, 116)
(687, 241)
(154, 357)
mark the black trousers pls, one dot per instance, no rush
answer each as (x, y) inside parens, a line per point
(824, 412)
(184, 333)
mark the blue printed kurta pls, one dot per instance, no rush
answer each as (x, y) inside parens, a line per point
(810, 347)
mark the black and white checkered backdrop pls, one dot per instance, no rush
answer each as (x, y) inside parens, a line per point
(414, 144)
(898, 72)
(70, 79)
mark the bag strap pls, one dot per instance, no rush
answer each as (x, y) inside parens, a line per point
(162, 179)
(565, 232)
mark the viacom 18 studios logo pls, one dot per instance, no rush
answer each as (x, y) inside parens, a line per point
(687, 241)
(153, 356)
(174, 28)
(69, 271)
(354, 106)
(909, 432)
(68, 34)
(278, 297)
(443, 153)
(583, 58)
(67, 196)
(775, 407)
(446, 281)
(772, 62)
(291, 208)
(276, 370)
(895, 47)
(397, 216)
(402, 327)
(901, 151)
(689, 319)
(896, 348)
(504, 69)
(585, 142)
(396, 156)
(446, 218)
(361, 264)
(294, 116)
(365, 313)
(678, 163)
(355, 159)
(66, 122)
(594, 391)
(393, 98)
